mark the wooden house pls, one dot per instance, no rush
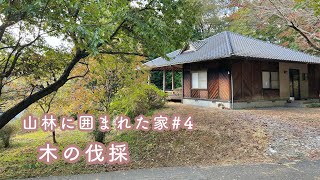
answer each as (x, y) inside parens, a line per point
(233, 71)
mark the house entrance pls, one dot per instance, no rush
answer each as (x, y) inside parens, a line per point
(294, 75)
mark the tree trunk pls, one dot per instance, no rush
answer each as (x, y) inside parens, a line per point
(8, 115)
(54, 137)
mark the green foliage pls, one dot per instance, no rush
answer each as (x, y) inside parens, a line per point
(244, 22)
(97, 134)
(20, 161)
(314, 4)
(155, 97)
(177, 80)
(6, 133)
(118, 28)
(212, 21)
(137, 100)
(313, 105)
(156, 79)
(270, 29)
(107, 77)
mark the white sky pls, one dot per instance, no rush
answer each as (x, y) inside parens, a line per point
(54, 42)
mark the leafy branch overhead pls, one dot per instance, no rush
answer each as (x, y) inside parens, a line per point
(85, 28)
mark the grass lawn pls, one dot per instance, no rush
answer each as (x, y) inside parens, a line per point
(218, 139)
(19, 161)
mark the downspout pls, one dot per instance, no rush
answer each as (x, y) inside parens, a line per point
(232, 96)
(231, 53)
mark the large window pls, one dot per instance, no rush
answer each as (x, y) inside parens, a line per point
(270, 80)
(199, 80)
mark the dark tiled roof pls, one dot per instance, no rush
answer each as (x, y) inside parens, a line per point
(227, 44)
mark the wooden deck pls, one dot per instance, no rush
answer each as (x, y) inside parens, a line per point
(175, 95)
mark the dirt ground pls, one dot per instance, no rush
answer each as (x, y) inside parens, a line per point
(245, 136)
(294, 132)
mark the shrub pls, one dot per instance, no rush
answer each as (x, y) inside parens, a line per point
(137, 100)
(97, 134)
(6, 133)
(155, 97)
(313, 105)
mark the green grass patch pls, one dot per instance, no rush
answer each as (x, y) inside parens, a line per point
(19, 161)
(313, 105)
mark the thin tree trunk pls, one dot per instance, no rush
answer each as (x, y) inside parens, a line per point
(54, 137)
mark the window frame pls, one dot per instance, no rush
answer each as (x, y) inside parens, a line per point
(199, 88)
(270, 80)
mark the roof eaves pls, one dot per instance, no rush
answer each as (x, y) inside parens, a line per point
(193, 61)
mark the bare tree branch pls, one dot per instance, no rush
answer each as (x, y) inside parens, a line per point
(313, 45)
(293, 24)
(81, 76)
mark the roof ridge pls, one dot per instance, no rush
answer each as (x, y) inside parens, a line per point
(229, 43)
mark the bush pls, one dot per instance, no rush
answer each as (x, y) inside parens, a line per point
(97, 134)
(6, 133)
(137, 100)
(313, 105)
(155, 97)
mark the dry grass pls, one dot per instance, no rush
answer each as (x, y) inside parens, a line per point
(220, 138)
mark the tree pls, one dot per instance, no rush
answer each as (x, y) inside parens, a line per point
(119, 27)
(107, 78)
(244, 21)
(300, 16)
(213, 19)
(45, 104)
(156, 79)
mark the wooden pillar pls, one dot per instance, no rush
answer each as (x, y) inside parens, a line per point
(164, 81)
(172, 80)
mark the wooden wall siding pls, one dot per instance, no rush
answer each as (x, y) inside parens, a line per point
(269, 66)
(247, 80)
(256, 81)
(199, 93)
(314, 80)
(186, 84)
(311, 78)
(213, 84)
(195, 93)
(237, 80)
(224, 86)
(204, 94)
(215, 80)
(205, 65)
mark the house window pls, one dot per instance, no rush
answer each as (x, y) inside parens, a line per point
(199, 80)
(270, 80)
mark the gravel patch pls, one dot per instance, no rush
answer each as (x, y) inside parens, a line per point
(294, 132)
